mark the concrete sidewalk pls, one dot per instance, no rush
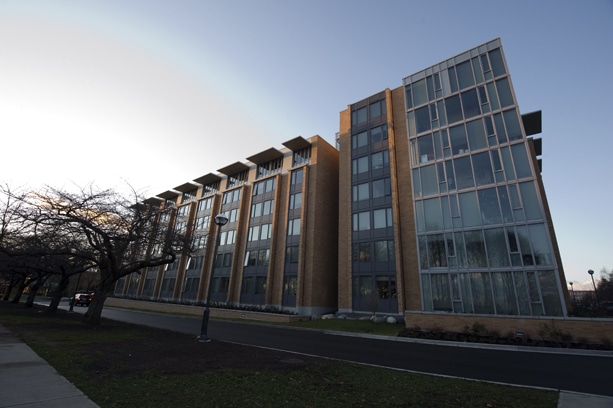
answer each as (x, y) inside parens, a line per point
(28, 381)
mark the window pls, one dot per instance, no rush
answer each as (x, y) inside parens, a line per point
(358, 116)
(361, 192)
(205, 204)
(381, 188)
(361, 221)
(297, 176)
(360, 165)
(377, 109)
(361, 252)
(291, 255)
(295, 201)
(382, 218)
(378, 133)
(265, 231)
(379, 160)
(384, 251)
(359, 140)
(302, 156)
(293, 227)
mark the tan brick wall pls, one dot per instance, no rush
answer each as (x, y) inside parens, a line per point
(592, 330)
(344, 215)
(406, 246)
(197, 311)
(321, 221)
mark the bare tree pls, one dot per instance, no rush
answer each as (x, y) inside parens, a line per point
(105, 230)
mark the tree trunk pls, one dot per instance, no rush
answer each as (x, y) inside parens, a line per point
(20, 290)
(34, 287)
(57, 296)
(94, 311)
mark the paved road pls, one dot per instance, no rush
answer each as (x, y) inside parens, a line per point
(571, 372)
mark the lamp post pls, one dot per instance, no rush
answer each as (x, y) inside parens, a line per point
(573, 292)
(591, 272)
(220, 221)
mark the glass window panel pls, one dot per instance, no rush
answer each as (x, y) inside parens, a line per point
(430, 87)
(446, 213)
(409, 96)
(540, 244)
(508, 164)
(441, 296)
(477, 70)
(420, 95)
(483, 169)
(450, 175)
(445, 82)
(520, 158)
(469, 209)
(460, 250)
(493, 96)
(438, 146)
(381, 188)
(364, 220)
(453, 81)
(423, 252)
(549, 291)
(511, 119)
(504, 293)
(496, 162)
(463, 173)
(416, 183)
(437, 256)
(426, 292)
(488, 203)
(467, 299)
(504, 92)
(432, 212)
(481, 293)
(500, 130)
(381, 251)
(429, 181)
(530, 201)
(441, 113)
(524, 245)
(485, 64)
(497, 62)
(465, 75)
(475, 249)
(422, 119)
(380, 218)
(507, 214)
(497, 252)
(426, 149)
(521, 289)
(411, 123)
(453, 109)
(458, 139)
(476, 135)
(470, 103)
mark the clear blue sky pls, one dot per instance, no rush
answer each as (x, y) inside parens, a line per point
(100, 90)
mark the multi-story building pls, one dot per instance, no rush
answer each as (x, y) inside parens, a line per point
(279, 247)
(433, 205)
(442, 207)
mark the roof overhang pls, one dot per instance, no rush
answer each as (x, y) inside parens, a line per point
(208, 179)
(266, 156)
(233, 169)
(297, 143)
(187, 187)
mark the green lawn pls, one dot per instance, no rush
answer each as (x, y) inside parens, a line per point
(121, 365)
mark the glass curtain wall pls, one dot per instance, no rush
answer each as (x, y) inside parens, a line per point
(484, 246)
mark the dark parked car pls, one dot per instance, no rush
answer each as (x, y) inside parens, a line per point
(81, 299)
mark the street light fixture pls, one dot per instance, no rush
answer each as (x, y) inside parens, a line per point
(591, 272)
(572, 291)
(220, 221)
